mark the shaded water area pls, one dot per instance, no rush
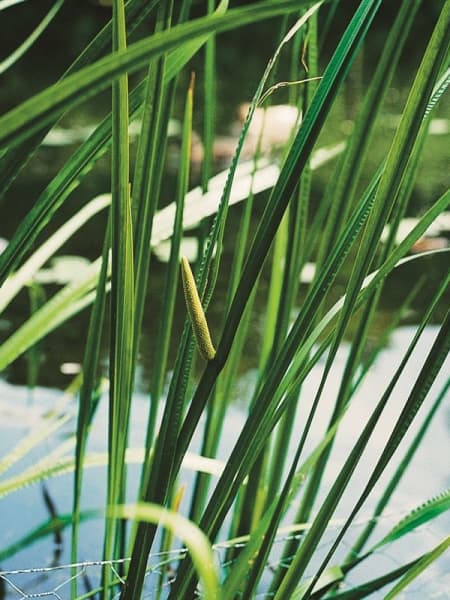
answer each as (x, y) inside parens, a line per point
(234, 87)
(24, 411)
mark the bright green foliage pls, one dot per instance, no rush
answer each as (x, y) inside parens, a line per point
(267, 473)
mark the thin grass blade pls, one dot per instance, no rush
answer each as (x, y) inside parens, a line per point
(10, 60)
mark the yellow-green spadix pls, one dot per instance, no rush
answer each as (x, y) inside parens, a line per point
(196, 312)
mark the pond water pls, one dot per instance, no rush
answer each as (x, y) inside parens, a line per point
(249, 48)
(24, 510)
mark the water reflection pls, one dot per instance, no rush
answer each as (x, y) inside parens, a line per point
(427, 476)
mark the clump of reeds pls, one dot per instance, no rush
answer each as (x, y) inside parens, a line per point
(262, 477)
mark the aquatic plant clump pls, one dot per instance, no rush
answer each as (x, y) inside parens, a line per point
(267, 462)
